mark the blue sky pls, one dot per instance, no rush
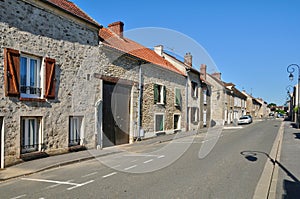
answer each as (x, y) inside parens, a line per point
(251, 41)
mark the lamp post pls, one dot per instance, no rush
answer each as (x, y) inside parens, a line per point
(289, 102)
(291, 69)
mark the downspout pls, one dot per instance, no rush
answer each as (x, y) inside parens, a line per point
(187, 98)
(139, 103)
(2, 145)
(98, 126)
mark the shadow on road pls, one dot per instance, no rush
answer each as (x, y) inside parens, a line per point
(292, 188)
(297, 135)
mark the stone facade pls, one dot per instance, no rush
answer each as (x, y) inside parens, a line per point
(35, 28)
(218, 100)
(156, 75)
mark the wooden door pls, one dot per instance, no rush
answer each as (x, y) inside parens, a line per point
(116, 110)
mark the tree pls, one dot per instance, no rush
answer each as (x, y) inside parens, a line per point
(272, 106)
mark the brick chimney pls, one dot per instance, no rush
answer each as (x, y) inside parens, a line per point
(217, 75)
(117, 27)
(188, 59)
(159, 50)
(203, 71)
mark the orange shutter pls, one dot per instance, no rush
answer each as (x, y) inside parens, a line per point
(50, 78)
(11, 72)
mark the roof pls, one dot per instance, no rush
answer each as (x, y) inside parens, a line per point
(135, 49)
(73, 9)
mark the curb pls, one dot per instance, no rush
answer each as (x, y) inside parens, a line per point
(56, 165)
(266, 186)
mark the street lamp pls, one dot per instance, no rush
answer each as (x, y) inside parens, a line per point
(289, 102)
(291, 69)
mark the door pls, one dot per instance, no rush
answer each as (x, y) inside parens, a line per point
(116, 110)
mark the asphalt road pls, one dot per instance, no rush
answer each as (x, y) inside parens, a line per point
(161, 170)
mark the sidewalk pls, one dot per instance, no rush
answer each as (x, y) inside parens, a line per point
(38, 165)
(288, 184)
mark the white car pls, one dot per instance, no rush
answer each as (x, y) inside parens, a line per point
(245, 120)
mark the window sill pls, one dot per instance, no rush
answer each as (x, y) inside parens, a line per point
(32, 99)
(159, 103)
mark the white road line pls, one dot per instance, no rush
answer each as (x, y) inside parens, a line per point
(133, 160)
(75, 185)
(80, 185)
(21, 196)
(50, 181)
(56, 185)
(130, 167)
(108, 175)
(90, 174)
(116, 166)
(140, 155)
(148, 161)
(162, 156)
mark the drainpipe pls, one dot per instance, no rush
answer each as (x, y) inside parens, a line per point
(139, 102)
(187, 98)
(98, 126)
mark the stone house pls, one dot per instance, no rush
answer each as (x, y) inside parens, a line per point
(253, 106)
(219, 103)
(236, 103)
(49, 51)
(158, 88)
(264, 110)
(197, 91)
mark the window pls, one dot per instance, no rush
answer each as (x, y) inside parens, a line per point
(24, 75)
(159, 94)
(178, 98)
(30, 134)
(194, 89)
(159, 123)
(194, 114)
(30, 72)
(75, 131)
(176, 122)
(204, 96)
(204, 118)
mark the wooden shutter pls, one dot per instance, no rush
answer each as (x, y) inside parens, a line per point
(50, 82)
(11, 72)
(156, 94)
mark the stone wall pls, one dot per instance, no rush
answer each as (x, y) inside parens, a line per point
(157, 75)
(74, 46)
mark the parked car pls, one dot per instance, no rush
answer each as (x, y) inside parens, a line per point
(246, 119)
(249, 117)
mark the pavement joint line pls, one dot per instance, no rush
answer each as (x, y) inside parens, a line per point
(264, 184)
(90, 174)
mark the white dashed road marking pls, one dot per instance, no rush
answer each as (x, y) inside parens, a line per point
(148, 161)
(21, 196)
(108, 175)
(130, 167)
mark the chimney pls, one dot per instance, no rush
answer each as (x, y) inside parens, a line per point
(188, 59)
(217, 75)
(159, 50)
(117, 27)
(203, 71)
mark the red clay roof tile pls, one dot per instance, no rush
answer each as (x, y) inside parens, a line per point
(133, 48)
(73, 9)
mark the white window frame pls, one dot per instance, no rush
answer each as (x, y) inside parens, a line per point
(175, 96)
(163, 118)
(195, 117)
(76, 138)
(178, 122)
(204, 96)
(39, 76)
(31, 143)
(161, 94)
(204, 117)
(194, 90)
